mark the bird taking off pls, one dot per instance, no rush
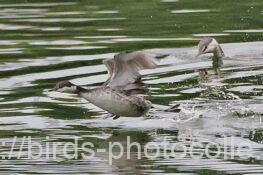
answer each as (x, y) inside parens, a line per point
(210, 45)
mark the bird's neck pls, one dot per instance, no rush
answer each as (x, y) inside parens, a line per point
(88, 94)
(80, 90)
(218, 59)
(219, 53)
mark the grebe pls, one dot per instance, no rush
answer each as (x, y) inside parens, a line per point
(120, 94)
(210, 45)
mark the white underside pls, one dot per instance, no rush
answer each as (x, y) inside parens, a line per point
(115, 103)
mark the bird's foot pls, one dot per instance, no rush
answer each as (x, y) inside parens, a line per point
(162, 56)
(108, 116)
(150, 116)
(115, 117)
(174, 108)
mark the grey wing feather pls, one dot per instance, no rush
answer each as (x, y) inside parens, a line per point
(109, 63)
(126, 74)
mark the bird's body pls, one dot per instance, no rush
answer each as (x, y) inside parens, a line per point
(120, 95)
(117, 102)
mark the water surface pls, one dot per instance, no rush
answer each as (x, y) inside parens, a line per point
(43, 42)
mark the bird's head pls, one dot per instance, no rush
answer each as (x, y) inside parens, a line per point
(207, 45)
(65, 86)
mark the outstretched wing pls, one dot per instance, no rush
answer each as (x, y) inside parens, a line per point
(125, 75)
(109, 63)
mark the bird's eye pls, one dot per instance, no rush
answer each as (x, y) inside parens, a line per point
(204, 48)
(60, 85)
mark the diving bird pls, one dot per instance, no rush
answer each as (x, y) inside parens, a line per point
(210, 45)
(120, 94)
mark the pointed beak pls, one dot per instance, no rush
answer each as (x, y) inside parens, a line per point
(199, 53)
(53, 89)
(50, 90)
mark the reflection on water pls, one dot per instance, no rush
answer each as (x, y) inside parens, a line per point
(191, 11)
(61, 20)
(210, 34)
(245, 31)
(46, 42)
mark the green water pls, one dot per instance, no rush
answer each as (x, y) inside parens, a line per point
(43, 42)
